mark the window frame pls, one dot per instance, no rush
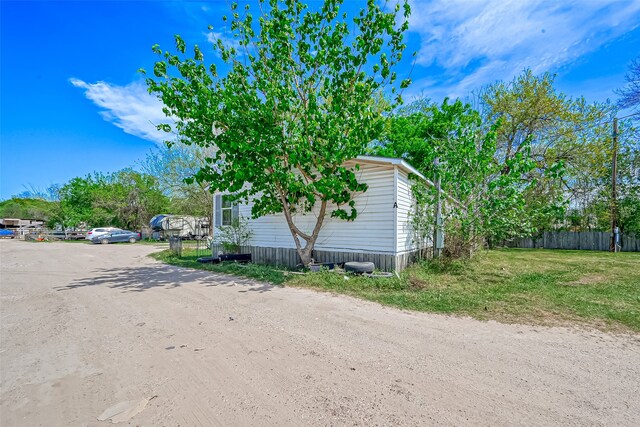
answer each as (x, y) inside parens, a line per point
(222, 206)
(223, 209)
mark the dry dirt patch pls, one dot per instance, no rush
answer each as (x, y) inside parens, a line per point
(87, 327)
(590, 279)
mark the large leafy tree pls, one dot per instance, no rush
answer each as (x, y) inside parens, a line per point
(26, 208)
(75, 202)
(563, 134)
(629, 203)
(129, 198)
(447, 142)
(290, 103)
(535, 115)
(596, 214)
(172, 166)
(125, 199)
(629, 159)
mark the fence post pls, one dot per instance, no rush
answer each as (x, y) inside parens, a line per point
(175, 245)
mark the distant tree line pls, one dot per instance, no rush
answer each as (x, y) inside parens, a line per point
(520, 156)
(126, 199)
(526, 159)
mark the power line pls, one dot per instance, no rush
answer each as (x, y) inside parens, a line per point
(592, 125)
(629, 115)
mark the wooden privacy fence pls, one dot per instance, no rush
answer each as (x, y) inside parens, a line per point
(582, 240)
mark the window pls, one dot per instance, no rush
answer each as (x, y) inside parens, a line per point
(226, 210)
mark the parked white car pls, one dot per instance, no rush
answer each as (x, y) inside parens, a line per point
(96, 232)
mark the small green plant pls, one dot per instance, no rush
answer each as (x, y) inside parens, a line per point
(233, 237)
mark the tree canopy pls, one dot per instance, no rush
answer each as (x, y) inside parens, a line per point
(569, 140)
(126, 199)
(531, 159)
(26, 208)
(172, 167)
(294, 100)
(447, 142)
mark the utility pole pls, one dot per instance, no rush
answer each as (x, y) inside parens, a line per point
(614, 196)
(438, 233)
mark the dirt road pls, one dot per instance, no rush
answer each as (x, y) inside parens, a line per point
(103, 331)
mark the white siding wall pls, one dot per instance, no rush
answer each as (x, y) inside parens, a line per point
(372, 231)
(405, 206)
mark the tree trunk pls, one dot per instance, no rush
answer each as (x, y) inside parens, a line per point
(306, 252)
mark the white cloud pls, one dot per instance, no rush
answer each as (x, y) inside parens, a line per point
(129, 107)
(227, 40)
(479, 42)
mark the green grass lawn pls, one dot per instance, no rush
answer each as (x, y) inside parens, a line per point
(548, 287)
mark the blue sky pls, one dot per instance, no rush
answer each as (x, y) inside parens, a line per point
(72, 102)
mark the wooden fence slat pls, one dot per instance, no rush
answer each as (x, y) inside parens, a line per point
(583, 240)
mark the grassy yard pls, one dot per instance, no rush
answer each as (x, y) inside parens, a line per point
(547, 287)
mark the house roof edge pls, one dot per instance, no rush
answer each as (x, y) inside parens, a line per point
(396, 162)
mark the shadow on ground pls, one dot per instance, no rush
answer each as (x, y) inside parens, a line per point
(139, 279)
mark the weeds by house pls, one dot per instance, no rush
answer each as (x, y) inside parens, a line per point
(548, 287)
(189, 260)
